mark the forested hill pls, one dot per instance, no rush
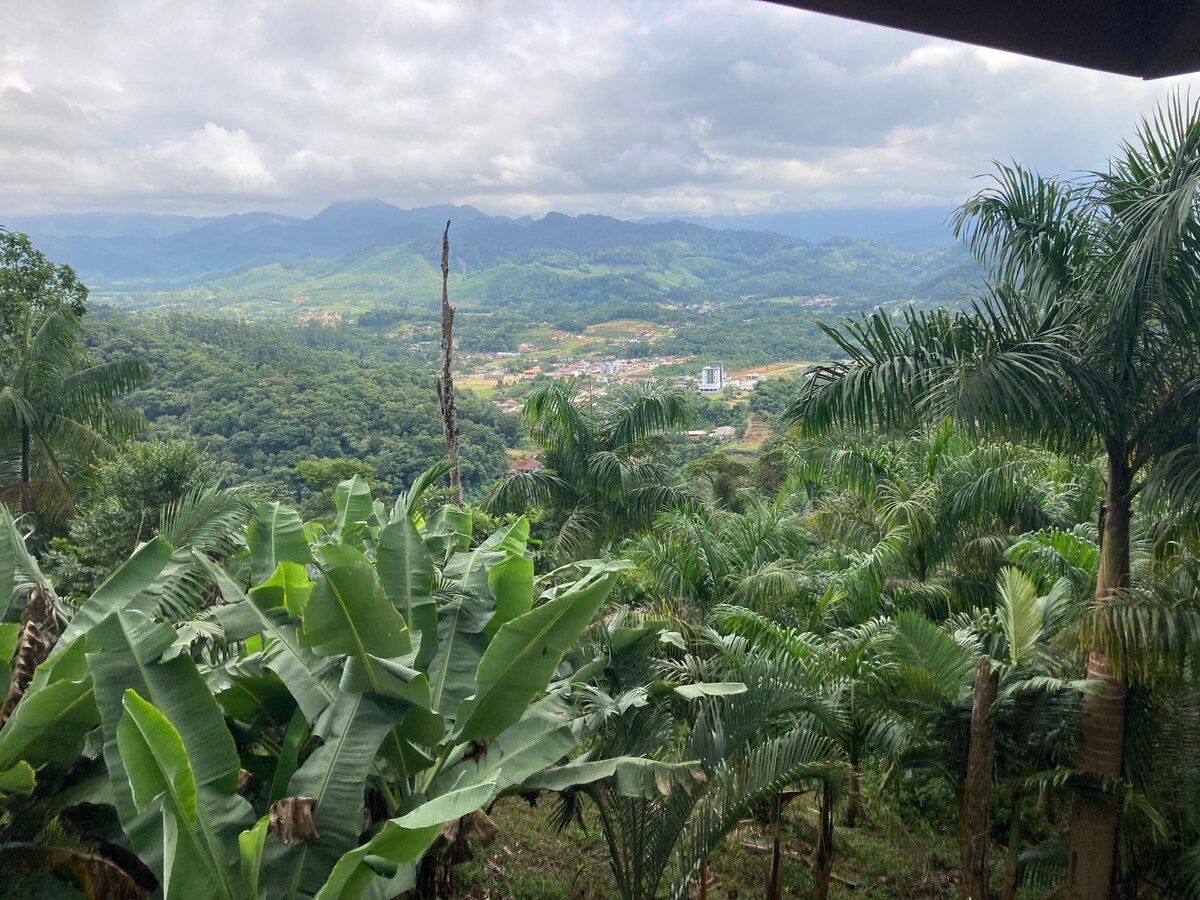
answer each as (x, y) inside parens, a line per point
(355, 256)
(298, 407)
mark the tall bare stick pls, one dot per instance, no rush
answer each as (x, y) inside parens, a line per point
(445, 379)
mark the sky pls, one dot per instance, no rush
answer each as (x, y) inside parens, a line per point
(623, 107)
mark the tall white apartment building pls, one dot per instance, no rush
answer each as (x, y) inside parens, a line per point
(712, 379)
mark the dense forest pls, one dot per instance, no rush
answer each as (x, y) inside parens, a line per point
(262, 399)
(937, 637)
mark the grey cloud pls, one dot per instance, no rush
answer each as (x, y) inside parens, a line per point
(620, 106)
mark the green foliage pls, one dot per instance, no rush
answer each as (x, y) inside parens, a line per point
(121, 508)
(603, 474)
(58, 414)
(289, 405)
(725, 476)
(320, 694)
(31, 288)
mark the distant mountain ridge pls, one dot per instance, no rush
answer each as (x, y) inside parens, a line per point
(913, 229)
(141, 251)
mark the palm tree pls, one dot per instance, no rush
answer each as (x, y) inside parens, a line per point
(603, 474)
(57, 416)
(951, 505)
(852, 674)
(1085, 340)
(934, 679)
(772, 731)
(705, 555)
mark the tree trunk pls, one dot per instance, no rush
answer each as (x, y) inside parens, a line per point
(1014, 845)
(24, 454)
(28, 503)
(775, 888)
(436, 871)
(853, 792)
(823, 869)
(1102, 731)
(977, 789)
(445, 379)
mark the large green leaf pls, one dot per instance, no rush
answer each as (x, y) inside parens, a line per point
(335, 776)
(522, 657)
(289, 755)
(468, 569)
(512, 538)
(348, 613)
(201, 825)
(155, 759)
(448, 530)
(58, 709)
(352, 500)
(710, 689)
(275, 535)
(406, 572)
(509, 580)
(18, 569)
(387, 677)
(287, 589)
(461, 645)
(20, 779)
(511, 583)
(631, 776)
(523, 749)
(126, 588)
(402, 840)
(311, 679)
(10, 633)
(124, 652)
(250, 845)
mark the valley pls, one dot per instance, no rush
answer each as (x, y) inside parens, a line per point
(605, 303)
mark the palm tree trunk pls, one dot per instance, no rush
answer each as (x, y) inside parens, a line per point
(27, 499)
(853, 792)
(775, 888)
(1094, 818)
(1014, 845)
(823, 870)
(977, 789)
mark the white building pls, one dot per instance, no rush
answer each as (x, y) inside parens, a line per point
(712, 379)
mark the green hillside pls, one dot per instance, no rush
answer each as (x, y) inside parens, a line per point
(406, 276)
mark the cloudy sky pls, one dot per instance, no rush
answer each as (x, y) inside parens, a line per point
(625, 107)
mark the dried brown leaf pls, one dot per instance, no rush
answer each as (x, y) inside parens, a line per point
(291, 819)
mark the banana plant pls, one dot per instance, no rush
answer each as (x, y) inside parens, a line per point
(386, 675)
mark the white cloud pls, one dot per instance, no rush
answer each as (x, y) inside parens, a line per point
(213, 158)
(520, 106)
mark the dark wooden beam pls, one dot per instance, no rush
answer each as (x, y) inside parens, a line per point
(1142, 38)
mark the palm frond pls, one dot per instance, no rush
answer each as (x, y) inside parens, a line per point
(1020, 615)
(739, 785)
(209, 518)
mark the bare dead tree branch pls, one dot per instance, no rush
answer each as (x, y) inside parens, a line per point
(445, 379)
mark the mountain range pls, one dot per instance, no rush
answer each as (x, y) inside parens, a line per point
(359, 254)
